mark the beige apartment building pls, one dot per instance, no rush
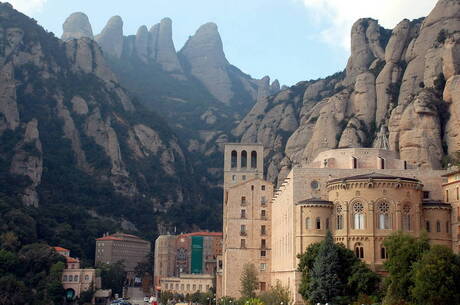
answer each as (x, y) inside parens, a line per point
(362, 195)
(130, 249)
(188, 283)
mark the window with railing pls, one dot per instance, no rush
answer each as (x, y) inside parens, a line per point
(263, 243)
(243, 200)
(263, 230)
(243, 213)
(243, 230)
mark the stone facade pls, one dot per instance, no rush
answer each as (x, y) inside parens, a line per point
(452, 196)
(130, 249)
(362, 195)
(184, 256)
(247, 215)
(188, 283)
(74, 279)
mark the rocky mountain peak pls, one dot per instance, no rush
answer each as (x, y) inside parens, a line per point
(111, 37)
(77, 26)
(207, 45)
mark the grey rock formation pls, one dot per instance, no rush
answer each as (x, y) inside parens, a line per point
(76, 26)
(142, 43)
(165, 52)
(111, 37)
(205, 54)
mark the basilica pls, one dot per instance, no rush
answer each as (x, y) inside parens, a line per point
(361, 195)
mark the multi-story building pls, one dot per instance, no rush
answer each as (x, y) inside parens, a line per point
(361, 195)
(451, 190)
(246, 221)
(129, 249)
(188, 283)
(75, 280)
(187, 258)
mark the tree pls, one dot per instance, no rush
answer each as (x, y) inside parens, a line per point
(249, 281)
(356, 279)
(113, 276)
(325, 283)
(277, 295)
(403, 251)
(436, 277)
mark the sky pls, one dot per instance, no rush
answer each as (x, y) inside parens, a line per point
(289, 40)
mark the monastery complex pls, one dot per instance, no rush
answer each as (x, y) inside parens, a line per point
(362, 195)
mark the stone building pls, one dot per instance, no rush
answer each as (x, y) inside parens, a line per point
(189, 259)
(452, 196)
(246, 221)
(362, 195)
(130, 249)
(74, 279)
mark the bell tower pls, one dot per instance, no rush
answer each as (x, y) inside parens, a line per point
(242, 162)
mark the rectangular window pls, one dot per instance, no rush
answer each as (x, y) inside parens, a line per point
(358, 221)
(243, 200)
(406, 222)
(339, 222)
(428, 226)
(426, 194)
(318, 223)
(243, 230)
(447, 227)
(263, 187)
(243, 213)
(263, 266)
(194, 287)
(263, 214)
(243, 243)
(263, 243)
(263, 286)
(382, 163)
(263, 201)
(354, 162)
(263, 230)
(263, 253)
(447, 195)
(458, 194)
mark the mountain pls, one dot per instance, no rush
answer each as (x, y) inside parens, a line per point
(400, 87)
(78, 150)
(197, 91)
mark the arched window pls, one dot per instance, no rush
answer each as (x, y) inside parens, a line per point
(253, 159)
(438, 226)
(234, 159)
(383, 253)
(308, 223)
(339, 217)
(65, 278)
(318, 223)
(358, 216)
(383, 214)
(244, 159)
(406, 219)
(359, 250)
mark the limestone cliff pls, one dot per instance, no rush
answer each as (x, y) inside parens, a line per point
(69, 130)
(76, 26)
(394, 84)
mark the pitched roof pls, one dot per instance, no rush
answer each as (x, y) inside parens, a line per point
(72, 259)
(109, 237)
(60, 249)
(373, 175)
(201, 234)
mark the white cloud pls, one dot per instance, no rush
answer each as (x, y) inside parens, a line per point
(337, 16)
(28, 6)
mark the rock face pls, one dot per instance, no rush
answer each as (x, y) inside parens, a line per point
(111, 37)
(76, 26)
(65, 122)
(403, 83)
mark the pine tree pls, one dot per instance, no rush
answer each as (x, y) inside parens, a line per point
(325, 282)
(248, 281)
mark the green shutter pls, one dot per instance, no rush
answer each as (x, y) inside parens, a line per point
(197, 254)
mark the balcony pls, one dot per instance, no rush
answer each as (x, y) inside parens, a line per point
(243, 233)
